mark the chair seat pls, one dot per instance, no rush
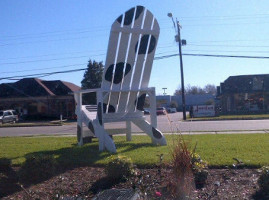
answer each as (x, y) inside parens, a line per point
(91, 113)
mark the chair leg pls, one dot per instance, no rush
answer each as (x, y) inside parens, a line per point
(80, 134)
(105, 141)
(156, 135)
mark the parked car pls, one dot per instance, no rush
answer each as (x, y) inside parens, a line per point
(8, 116)
(146, 112)
(161, 111)
(171, 110)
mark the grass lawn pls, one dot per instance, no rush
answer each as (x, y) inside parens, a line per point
(219, 150)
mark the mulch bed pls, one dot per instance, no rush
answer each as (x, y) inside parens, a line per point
(85, 182)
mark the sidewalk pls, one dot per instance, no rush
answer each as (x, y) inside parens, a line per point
(36, 123)
(221, 132)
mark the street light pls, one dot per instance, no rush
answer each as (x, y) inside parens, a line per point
(164, 91)
(180, 43)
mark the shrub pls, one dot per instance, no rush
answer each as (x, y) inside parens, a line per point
(182, 170)
(38, 167)
(263, 181)
(5, 164)
(119, 167)
(199, 169)
(188, 169)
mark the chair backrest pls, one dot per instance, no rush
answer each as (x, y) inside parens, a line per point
(132, 44)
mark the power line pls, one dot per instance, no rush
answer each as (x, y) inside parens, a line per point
(243, 40)
(44, 41)
(227, 56)
(76, 52)
(156, 58)
(106, 28)
(168, 46)
(211, 55)
(63, 66)
(220, 45)
(229, 51)
(53, 59)
(224, 16)
(79, 64)
(60, 32)
(53, 54)
(42, 74)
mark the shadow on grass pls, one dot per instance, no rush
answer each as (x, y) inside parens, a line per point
(8, 179)
(88, 154)
(68, 158)
(128, 146)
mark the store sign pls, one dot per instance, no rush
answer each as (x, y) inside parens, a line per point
(204, 111)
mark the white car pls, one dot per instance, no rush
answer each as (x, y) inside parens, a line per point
(8, 116)
(172, 110)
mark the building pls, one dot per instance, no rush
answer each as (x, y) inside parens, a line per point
(35, 97)
(244, 94)
(190, 99)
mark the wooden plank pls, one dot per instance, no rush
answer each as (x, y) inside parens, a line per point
(122, 61)
(150, 57)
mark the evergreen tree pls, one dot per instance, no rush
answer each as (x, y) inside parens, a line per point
(93, 75)
(92, 79)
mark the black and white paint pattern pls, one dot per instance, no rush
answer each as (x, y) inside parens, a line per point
(129, 15)
(119, 70)
(144, 43)
(140, 102)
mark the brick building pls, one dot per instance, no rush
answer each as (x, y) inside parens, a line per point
(244, 94)
(36, 97)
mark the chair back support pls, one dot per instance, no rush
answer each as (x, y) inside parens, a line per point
(132, 44)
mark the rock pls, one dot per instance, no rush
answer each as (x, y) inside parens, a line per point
(118, 194)
(217, 183)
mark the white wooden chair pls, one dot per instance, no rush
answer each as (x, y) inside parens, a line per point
(132, 44)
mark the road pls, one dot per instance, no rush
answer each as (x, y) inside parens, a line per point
(163, 124)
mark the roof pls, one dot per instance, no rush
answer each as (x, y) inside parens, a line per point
(33, 87)
(246, 83)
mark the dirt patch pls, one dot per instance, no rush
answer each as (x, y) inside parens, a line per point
(86, 181)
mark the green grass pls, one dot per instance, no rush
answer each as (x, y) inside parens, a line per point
(232, 117)
(218, 150)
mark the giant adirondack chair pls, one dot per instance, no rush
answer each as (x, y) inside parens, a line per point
(132, 44)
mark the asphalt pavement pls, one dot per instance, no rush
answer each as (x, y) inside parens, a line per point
(168, 125)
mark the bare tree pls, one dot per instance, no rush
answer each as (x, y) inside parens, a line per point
(208, 89)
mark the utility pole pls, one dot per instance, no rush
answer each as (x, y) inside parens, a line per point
(178, 39)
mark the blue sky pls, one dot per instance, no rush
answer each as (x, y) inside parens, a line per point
(46, 36)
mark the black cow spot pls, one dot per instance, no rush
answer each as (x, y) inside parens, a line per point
(156, 133)
(118, 76)
(144, 44)
(129, 15)
(140, 102)
(111, 109)
(99, 113)
(90, 126)
(78, 133)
